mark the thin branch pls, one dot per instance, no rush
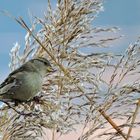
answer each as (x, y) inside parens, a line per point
(17, 111)
(23, 24)
(133, 119)
(113, 124)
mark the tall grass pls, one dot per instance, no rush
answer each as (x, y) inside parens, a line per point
(89, 89)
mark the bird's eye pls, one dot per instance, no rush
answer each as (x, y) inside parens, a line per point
(45, 63)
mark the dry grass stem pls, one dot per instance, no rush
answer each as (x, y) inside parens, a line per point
(133, 119)
(85, 82)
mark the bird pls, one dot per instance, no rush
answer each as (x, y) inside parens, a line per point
(26, 81)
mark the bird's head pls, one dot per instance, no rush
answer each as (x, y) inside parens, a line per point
(43, 65)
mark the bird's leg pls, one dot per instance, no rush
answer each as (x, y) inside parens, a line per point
(17, 102)
(37, 98)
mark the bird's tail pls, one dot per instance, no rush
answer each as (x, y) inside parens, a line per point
(3, 99)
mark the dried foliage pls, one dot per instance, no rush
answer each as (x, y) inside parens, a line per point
(89, 88)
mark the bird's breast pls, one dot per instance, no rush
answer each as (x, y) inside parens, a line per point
(30, 86)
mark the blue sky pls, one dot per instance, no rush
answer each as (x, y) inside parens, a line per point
(122, 13)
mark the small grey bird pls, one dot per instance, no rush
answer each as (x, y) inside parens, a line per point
(26, 81)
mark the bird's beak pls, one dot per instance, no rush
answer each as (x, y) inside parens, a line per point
(50, 69)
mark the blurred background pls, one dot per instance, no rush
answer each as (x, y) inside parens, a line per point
(124, 14)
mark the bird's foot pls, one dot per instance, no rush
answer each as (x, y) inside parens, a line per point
(37, 99)
(17, 102)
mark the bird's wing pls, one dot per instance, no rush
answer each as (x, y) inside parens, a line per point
(13, 81)
(9, 84)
